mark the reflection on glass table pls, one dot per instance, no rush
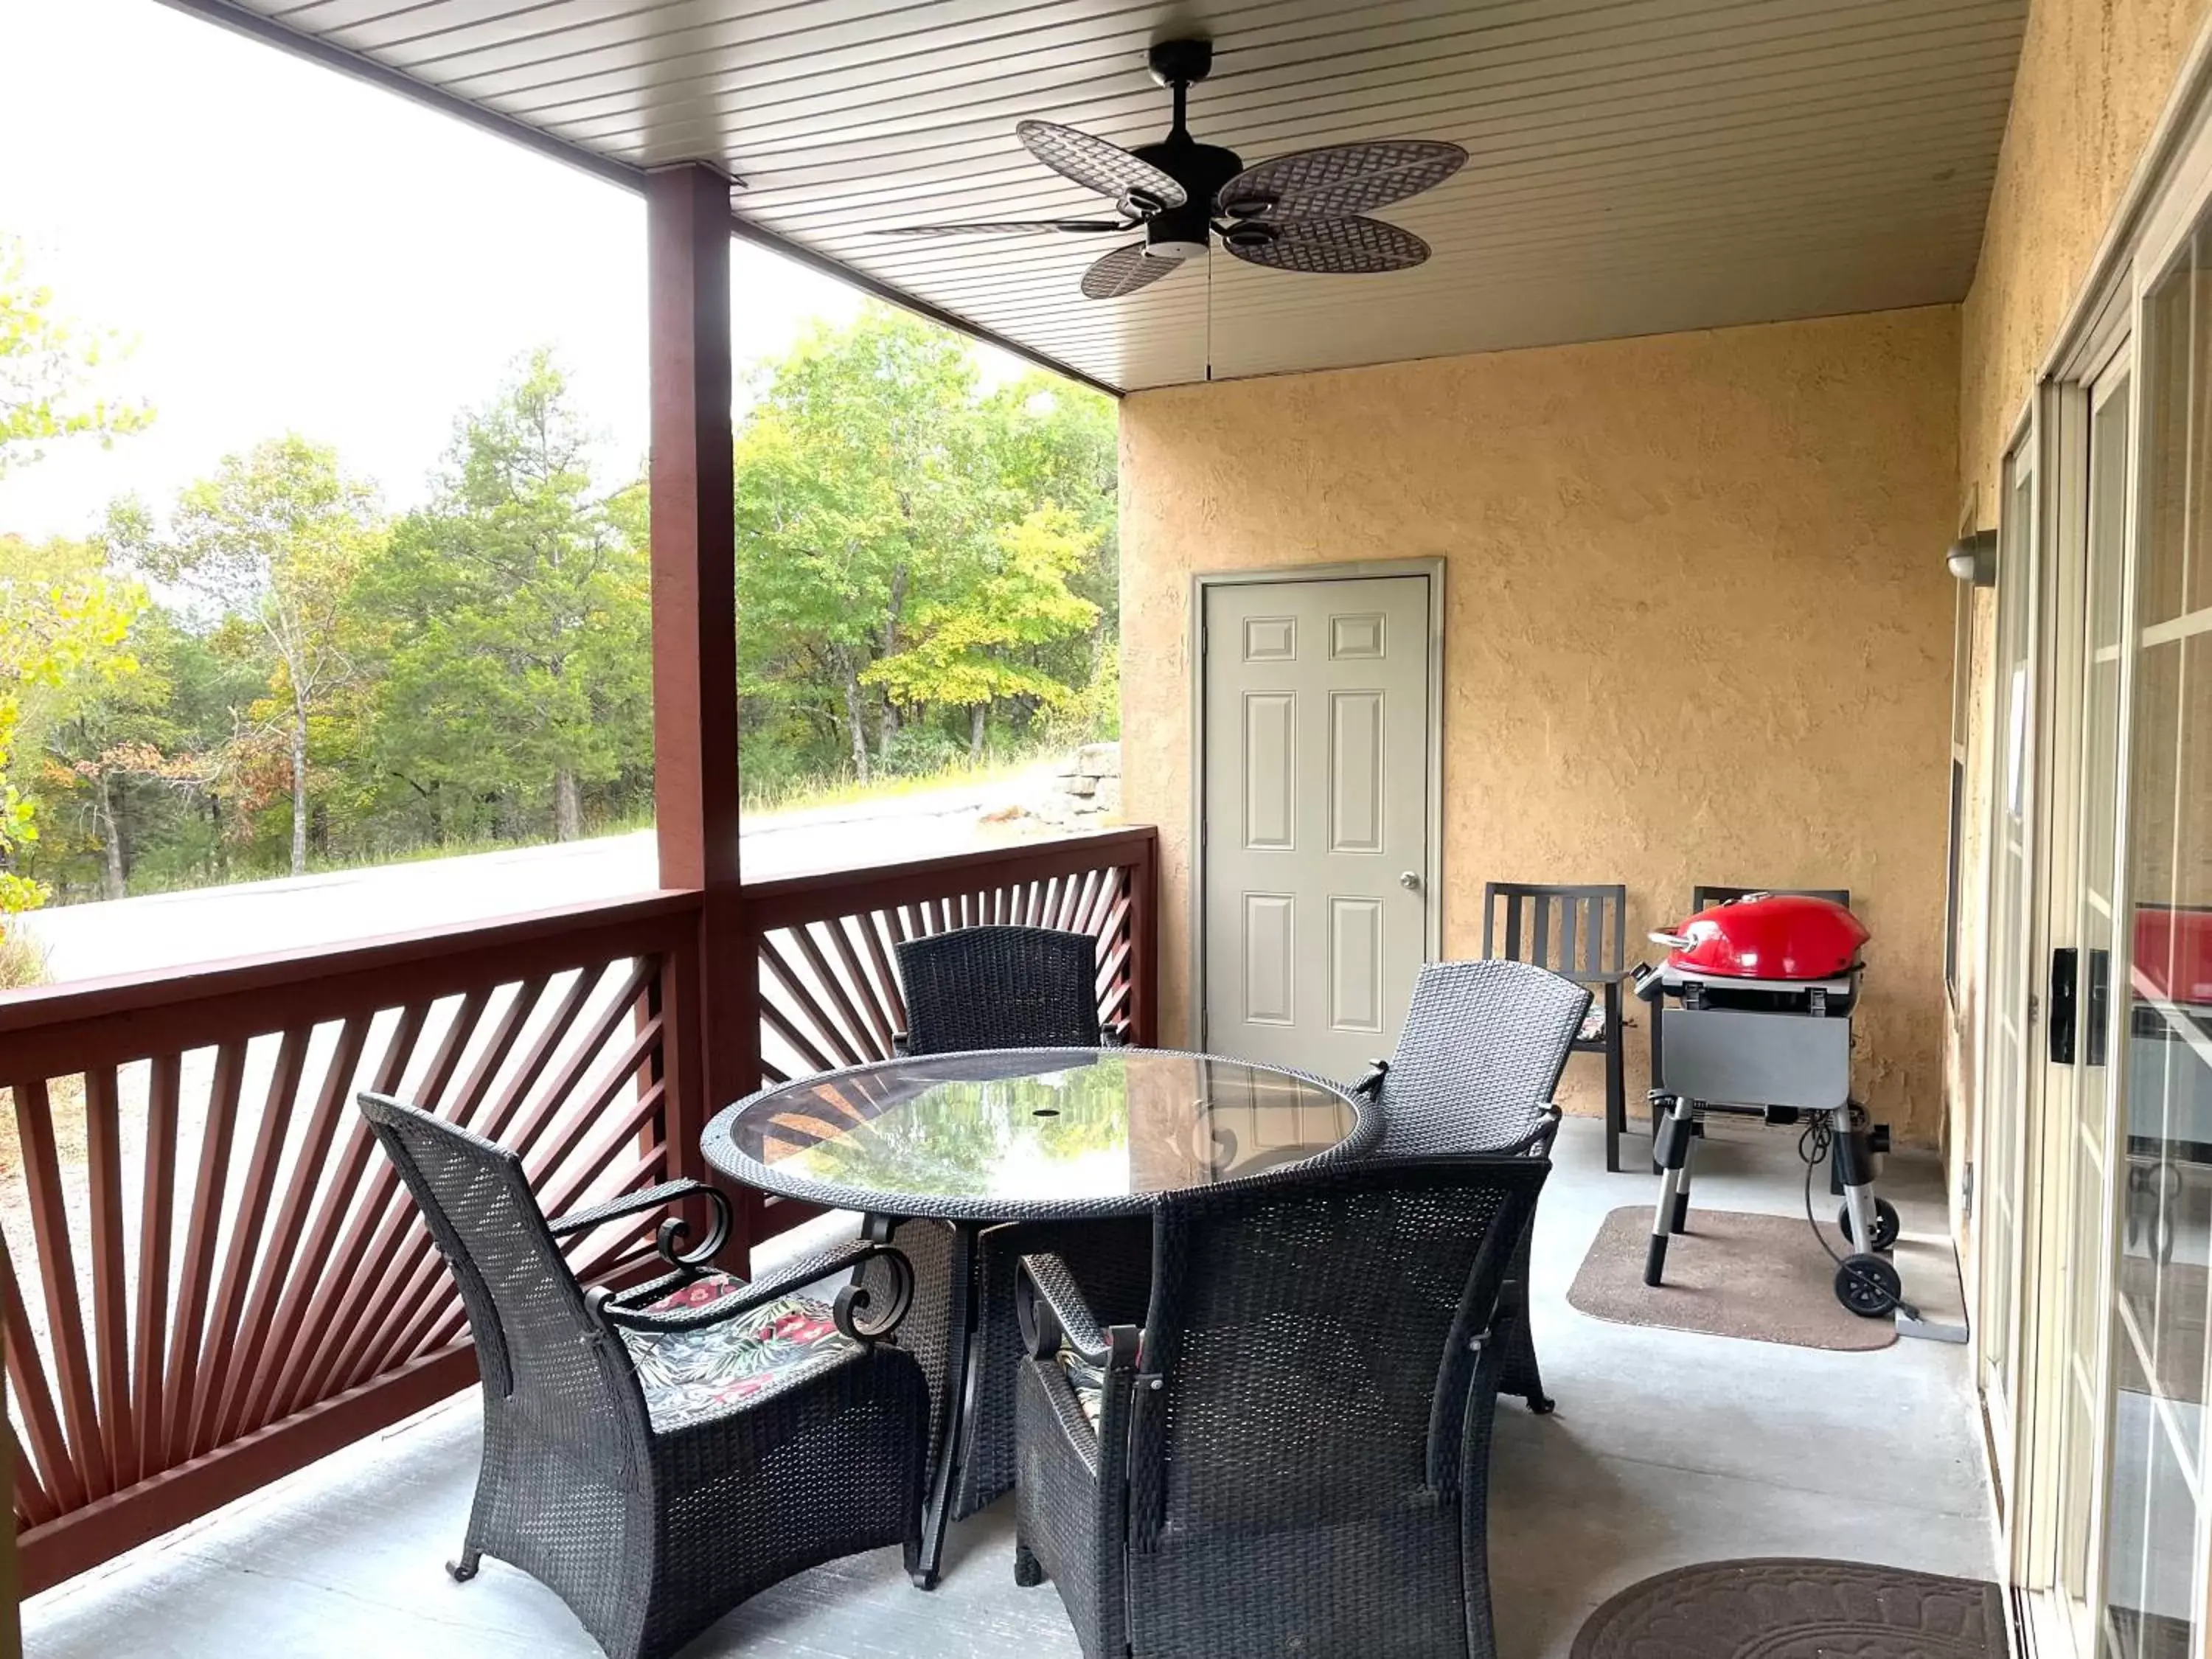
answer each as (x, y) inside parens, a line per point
(1005, 1133)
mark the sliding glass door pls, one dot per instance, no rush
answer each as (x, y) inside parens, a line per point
(2155, 1537)
(2070, 1165)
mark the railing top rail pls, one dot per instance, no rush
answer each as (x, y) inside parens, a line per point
(774, 902)
(94, 1022)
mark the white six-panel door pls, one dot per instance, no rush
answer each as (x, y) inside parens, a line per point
(1315, 820)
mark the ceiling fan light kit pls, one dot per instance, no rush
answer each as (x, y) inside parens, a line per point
(1306, 211)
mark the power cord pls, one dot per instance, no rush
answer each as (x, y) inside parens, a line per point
(1814, 1146)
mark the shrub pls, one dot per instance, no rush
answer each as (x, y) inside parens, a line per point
(21, 962)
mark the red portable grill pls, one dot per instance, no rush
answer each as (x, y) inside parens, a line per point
(1760, 992)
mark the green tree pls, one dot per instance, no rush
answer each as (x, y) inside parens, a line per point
(121, 767)
(512, 621)
(1059, 444)
(885, 580)
(965, 648)
(859, 479)
(49, 371)
(62, 623)
(274, 539)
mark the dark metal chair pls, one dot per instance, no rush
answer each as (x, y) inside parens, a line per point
(1479, 1059)
(1009, 988)
(658, 1454)
(1000, 988)
(1586, 942)
(1292, 1455)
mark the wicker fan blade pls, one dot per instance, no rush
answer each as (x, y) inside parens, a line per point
(1097, 165)
(1347, 246)
(1124, 271)
(1340, 179)
(1003, 228)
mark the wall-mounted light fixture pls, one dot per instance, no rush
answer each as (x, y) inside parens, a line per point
(1974, 558)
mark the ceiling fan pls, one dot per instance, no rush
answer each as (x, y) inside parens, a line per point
(1303, 211)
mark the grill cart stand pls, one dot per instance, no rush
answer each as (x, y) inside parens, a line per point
(1781, 1047)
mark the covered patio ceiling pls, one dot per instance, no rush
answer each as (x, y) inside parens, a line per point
(1636, 166)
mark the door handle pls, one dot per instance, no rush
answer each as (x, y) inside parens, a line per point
(2096, 997)
(2064, 971)
(1410, 880)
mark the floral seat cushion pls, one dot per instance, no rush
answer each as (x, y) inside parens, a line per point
(688, 1375)
(1089, 1382)
(1593, 1025)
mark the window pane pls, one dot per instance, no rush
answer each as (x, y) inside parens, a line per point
(2154, 1589)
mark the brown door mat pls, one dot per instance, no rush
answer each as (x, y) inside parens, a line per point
(1763, 1276)
(1797, 1609)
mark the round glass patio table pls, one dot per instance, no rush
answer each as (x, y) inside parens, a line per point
(934, 1148)
(1031, 1133)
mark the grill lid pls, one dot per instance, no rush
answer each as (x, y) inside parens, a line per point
(1768, 936)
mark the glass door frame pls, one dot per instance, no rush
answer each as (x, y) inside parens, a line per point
(2052, 1279)
(2006, 977)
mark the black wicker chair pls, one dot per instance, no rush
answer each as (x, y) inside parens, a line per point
(653, 1456)
(1016, 988)
(1292, 1456)
(1000, 988)
(1478, 1060)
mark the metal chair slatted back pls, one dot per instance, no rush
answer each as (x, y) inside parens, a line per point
(1478, 1058)
(1000, 988)
(538, 1349)
(1314, 1338)
(1576, 931)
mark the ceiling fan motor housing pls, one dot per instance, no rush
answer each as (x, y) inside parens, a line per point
(1182, 232)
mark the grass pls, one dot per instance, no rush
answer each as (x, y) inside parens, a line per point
(64, 1108)
(21, 962)
(788, 795)
(841, 789)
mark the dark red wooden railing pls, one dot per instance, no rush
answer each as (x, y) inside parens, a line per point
(209, 1277)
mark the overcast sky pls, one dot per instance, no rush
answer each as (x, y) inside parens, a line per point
(290, 249)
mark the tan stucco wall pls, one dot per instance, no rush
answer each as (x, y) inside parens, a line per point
(2093, 76)
(1698, 626)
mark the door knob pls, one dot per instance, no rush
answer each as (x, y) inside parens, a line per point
(1410, 881)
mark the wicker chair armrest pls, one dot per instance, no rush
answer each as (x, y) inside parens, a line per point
(651, 1198)
(1054, 1315)
(1537, 1143)
(1114, 1034)
(672, 1232)
(853, 1311)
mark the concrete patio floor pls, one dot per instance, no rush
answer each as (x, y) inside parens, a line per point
(1667, 1449)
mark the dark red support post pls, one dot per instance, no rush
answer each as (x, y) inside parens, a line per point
(711, 1001)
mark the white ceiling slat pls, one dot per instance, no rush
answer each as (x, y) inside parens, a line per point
(1636, 166)
(1287, 93)
(1104, 51)
(1752, 56)
(1801, 128)
(1742, 57)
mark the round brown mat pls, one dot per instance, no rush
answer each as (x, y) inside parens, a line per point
(1793, 1609)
